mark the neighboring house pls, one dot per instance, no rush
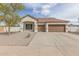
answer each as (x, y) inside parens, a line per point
(29, 23)
(74, 27)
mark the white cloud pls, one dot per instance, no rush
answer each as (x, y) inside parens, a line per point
(46, 9)
(43, 9)
(35, 10)
(70, 11)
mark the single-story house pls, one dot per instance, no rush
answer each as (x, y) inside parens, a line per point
(29, 23)
(43, 24)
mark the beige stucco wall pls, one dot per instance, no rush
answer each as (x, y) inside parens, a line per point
(13, 29)
(73, 29)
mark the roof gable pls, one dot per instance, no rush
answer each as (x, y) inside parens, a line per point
(28, 18)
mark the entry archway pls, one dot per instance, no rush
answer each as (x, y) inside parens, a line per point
(29, 23)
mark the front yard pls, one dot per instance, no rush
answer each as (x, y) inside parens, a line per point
(15, 39)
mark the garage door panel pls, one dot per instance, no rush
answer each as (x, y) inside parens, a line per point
(56, 28)
(41, 28)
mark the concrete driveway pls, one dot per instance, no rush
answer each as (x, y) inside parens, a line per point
(46, 44)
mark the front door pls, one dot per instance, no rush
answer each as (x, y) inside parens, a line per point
(29, 27)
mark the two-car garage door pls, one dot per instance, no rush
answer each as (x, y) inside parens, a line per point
(52, 28)
(56, 28)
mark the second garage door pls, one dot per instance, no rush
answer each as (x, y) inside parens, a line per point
(41, 28)
(56, 28)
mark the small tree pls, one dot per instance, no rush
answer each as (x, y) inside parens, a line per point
(10, 15)
(12, 21)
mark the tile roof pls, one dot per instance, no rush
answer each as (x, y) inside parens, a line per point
(51, 20)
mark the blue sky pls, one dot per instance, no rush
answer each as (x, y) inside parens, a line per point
(66, 11)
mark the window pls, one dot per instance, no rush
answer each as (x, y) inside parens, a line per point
(29, 26)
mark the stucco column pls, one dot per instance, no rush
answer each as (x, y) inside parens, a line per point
(67, 28)
(46, 27)
(36, 27)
